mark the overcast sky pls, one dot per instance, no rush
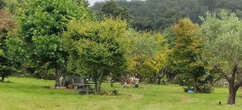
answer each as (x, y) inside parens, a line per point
(93, 1)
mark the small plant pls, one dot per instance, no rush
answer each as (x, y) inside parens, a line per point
(115, 92)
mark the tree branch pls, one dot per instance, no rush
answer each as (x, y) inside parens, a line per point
(219, 70)
(238, 84)
(234, 71)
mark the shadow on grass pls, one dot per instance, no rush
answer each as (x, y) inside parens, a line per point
(6, 82)
(34, 89)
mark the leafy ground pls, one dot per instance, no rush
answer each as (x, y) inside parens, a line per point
(30, 94)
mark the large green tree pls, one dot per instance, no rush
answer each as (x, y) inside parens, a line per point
(41, 23)
(223, 49)
(95, 50)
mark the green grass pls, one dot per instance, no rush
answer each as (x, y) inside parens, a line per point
(29, 94)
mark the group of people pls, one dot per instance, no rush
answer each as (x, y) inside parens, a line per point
(131, 82)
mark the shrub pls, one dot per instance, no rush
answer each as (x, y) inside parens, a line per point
(205, 88)
(2, 4)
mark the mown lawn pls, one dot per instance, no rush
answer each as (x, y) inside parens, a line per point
(29, 94)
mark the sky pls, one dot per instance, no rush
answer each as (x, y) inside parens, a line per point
(93, 1)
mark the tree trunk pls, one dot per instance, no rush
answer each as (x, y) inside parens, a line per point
(161, 74)
(97, 87)
(196, 88)
(3, 77)
(232, 94)
(159, 81)
(57, 79)
(57, 82)
(98, 81)
(232, 86)
(111, 83)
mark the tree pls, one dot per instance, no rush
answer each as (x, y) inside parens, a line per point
(211, 4)
(147, 56)
(157, 67)
(158, 14)
(222, 48)
(94, 49)
(113, 9)
(170, 36)
(6, 24)
(187, 52)
(41, 23)
(2, 4)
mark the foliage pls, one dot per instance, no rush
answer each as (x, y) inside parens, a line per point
(205, 88)
(51, 17)
(41, 22)
(6, 21)
(6, 24)
(222, 48)
(156, 67)
(95, 50)
(148, 56)
(187, 53)
(2, 4)
(113, 9)
(158, 15)
(170, 36)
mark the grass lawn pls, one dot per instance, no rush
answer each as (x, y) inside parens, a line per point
(29, 94)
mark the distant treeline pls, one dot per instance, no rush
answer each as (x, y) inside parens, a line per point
(160, 14)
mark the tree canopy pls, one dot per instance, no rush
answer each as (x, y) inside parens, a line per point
(222, 48)
(94, 49)
(41, 23)
(160, 14)
(187, 52)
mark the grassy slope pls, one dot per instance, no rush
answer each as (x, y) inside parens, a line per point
(28, 94)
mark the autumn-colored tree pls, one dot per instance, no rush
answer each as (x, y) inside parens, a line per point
(148, 56)
(157, 67)
(6, 24)
(187, 52)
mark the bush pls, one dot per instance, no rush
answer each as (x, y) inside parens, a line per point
(2, 4)
(186, 89)
(202, 88)
(205, 88)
